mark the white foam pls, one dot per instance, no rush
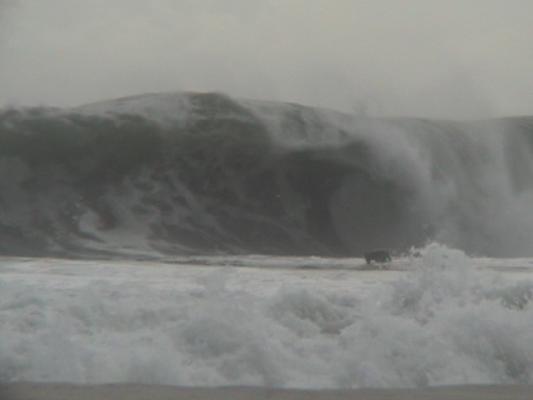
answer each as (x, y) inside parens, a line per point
(444, 321)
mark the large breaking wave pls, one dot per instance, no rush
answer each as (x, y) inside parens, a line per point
(195, 173)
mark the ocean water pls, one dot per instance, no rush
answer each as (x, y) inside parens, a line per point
(203, 173)
(201, 240)
(440, 318)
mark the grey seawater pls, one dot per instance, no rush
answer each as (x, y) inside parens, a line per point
(204, 173)
(134, 392)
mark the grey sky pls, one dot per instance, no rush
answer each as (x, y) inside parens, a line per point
(447, 58)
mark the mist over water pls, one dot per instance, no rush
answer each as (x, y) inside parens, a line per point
(474, 180)
(437, 59)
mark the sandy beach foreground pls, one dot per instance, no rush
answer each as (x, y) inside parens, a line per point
(37, 391)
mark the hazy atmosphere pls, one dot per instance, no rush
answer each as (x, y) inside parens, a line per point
(452, 59)
(207, 199)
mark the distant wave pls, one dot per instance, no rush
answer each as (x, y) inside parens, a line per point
(191, 173)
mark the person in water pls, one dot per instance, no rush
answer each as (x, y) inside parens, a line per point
(378, 256)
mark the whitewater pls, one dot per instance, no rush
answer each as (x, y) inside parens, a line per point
(440, 318)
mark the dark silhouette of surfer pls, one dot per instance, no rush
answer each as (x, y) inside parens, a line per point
(378, 256)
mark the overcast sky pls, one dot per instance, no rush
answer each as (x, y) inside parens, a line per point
(437, 58)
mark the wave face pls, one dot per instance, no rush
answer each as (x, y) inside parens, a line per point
(204, 173)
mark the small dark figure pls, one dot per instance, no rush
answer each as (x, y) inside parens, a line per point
(379, 256)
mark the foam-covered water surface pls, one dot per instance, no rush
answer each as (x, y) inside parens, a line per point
(435, 319)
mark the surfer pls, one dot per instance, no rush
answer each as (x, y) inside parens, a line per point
(378, 256)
